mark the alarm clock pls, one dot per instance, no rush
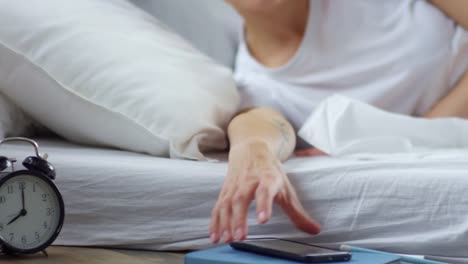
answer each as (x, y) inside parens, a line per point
(31, 207)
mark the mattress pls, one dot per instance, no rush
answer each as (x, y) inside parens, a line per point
(127, 200)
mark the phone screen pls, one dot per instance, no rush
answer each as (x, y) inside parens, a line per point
(288, 246)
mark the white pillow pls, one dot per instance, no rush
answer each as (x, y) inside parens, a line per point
(13, 121)
(103, 72)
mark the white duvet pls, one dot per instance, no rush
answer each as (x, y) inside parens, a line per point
(341, 126)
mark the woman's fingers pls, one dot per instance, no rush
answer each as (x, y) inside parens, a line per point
(220, 228)
(295, 211)
(221, 215)
(229, 218)
(265, 195)
(240, 207)
(214, 226)
(225, 214)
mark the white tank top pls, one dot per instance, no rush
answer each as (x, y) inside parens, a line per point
(402, 56)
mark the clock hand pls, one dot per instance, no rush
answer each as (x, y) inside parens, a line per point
(16, 217)
(22, 198)
(21, 213)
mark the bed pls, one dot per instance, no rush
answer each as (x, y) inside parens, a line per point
(127, 200)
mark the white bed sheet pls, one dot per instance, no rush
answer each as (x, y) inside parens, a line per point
(122, 199)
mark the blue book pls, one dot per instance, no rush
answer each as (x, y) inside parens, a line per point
(227, 255)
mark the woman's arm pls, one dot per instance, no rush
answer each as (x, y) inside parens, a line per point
(260, 139)
(266, 126)
(456, 9)
(455, 104)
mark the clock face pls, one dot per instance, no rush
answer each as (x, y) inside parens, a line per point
(31, 212)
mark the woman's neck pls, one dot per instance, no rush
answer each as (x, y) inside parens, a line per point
(279, 22)
(273, 35)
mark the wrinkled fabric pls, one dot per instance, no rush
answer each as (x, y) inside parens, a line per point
(341, 126)
(122, 199)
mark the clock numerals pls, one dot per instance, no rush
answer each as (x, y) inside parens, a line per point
(2, 199)
(45, 197)
(22, 185)
(44, 225)
(49, 211)
(24, 240)
(9, 189)
(1, 226)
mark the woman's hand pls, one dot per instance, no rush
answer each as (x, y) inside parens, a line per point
(255, 173)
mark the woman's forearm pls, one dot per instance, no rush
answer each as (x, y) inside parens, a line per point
(263, 126)
(455, 104)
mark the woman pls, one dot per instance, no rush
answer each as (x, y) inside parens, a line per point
(404, 56)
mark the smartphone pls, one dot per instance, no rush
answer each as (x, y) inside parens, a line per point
(291, 250)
